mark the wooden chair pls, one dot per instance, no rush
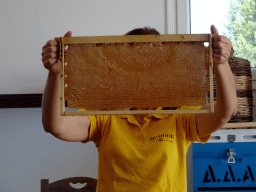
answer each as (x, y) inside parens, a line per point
(72, 184)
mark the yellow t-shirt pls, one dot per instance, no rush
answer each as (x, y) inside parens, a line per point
(151, 158)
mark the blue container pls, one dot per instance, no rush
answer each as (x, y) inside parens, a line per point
(224, 166)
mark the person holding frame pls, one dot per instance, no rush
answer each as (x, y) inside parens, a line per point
(141, 152)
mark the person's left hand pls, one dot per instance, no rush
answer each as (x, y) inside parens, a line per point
(221, 46)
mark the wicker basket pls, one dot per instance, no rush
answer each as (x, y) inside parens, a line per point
(242, 72)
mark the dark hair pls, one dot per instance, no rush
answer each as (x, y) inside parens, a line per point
(143, 31)
(147, 31)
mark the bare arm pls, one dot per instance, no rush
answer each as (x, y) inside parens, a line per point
(68, 128)
(51, 117)
(226, 102)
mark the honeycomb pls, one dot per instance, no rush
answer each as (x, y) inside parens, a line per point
(120, 76)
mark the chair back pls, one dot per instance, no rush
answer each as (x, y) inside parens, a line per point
(72, 184)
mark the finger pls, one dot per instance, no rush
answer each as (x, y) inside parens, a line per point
(216, 38)
(222, 43)
(217, 59)
(51, 55)
(68, 34)
(222, 46)
(49, 43)
(222, 55)
(215, 33)
(49, 63)
(217, 51)
(225, 53)
(218, 45)
(216, 56)
(49, 46)
(223, 39)
(222, 52)
(50, 49)
(214, 30)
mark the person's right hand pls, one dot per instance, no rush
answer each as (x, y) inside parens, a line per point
(51, 55)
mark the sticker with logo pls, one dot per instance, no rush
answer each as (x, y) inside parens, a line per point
(222, 180)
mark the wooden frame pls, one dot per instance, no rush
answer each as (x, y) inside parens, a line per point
(131, 39)
(239, 125)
